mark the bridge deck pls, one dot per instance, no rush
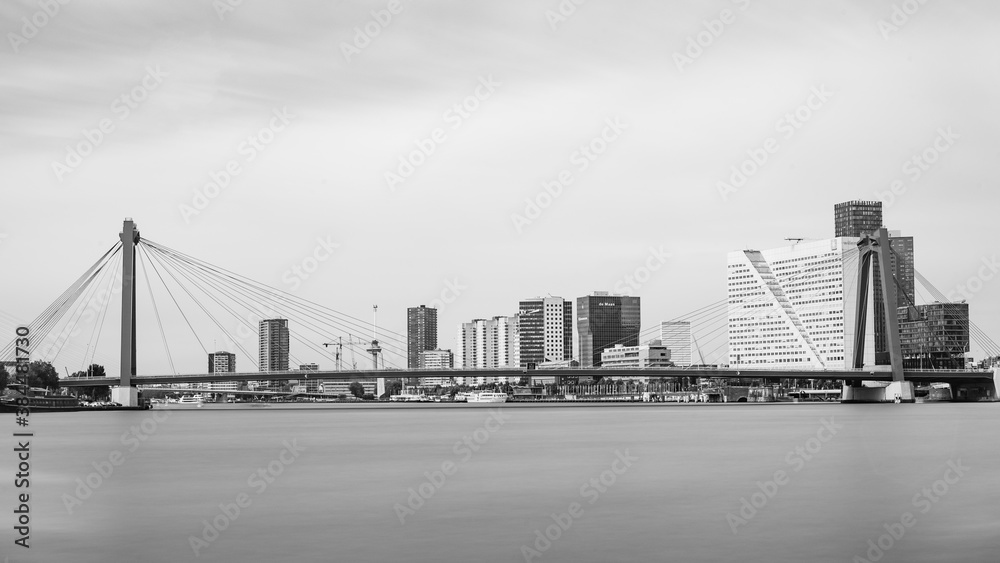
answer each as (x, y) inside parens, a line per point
(867, 375)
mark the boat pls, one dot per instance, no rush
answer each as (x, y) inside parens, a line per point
(487, 397)
(41, 400)
(933, 393)
(463, 396)
(410, 398)
(190, 400)
(37, 400)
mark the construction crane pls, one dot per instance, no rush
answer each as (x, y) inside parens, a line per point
(339, 354)
(795, 240)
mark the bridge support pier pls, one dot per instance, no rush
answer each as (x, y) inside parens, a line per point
(878, 392)
(125, 396)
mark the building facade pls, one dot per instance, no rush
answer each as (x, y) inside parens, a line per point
(651, 355)
(222, 362)
(485, 344)
(437, 359)
(544, 331)
(793, 305)
(273, 337)
(604, 320)
(857, 218)
(421, 333)
(676, 336)
(935, 335)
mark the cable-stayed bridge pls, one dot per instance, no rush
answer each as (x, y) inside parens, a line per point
(183, 291)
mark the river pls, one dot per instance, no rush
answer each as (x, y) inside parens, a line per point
(691, 483)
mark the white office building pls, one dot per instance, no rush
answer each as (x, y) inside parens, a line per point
(486, 344)
(676, 336)
(651, 355)
(793, 306)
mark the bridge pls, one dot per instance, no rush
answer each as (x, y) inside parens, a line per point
(166, 264)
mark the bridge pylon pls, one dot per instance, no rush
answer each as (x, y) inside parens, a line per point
(877, 247)
(126, 394)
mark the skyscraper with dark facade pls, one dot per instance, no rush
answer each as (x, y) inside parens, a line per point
(603, 320)
(545, 330)
(856, 218)
(274, 345)
(902, 268)
(421, 333)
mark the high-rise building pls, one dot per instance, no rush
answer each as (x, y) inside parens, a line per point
(544, 330)
(222, 362)
(676, 336)
(857, 218)
(274, 345)
(436, 359)
(421, 333)
(603, 320)
(486, 343)
(793, 305)
(935, 335)
(901, 260)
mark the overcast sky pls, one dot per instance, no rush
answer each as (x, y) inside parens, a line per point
(332, 112)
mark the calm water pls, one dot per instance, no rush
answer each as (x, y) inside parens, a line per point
(689, 466)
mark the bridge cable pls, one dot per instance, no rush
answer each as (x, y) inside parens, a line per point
(51, 314)
(400, 337)
(99, 326)
(164, 260)
(244, 289)
(176, 304)
(77, 304)
(156, 312)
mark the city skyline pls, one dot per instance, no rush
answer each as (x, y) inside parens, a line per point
(880, 125)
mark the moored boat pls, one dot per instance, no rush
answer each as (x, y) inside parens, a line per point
(487, 397)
